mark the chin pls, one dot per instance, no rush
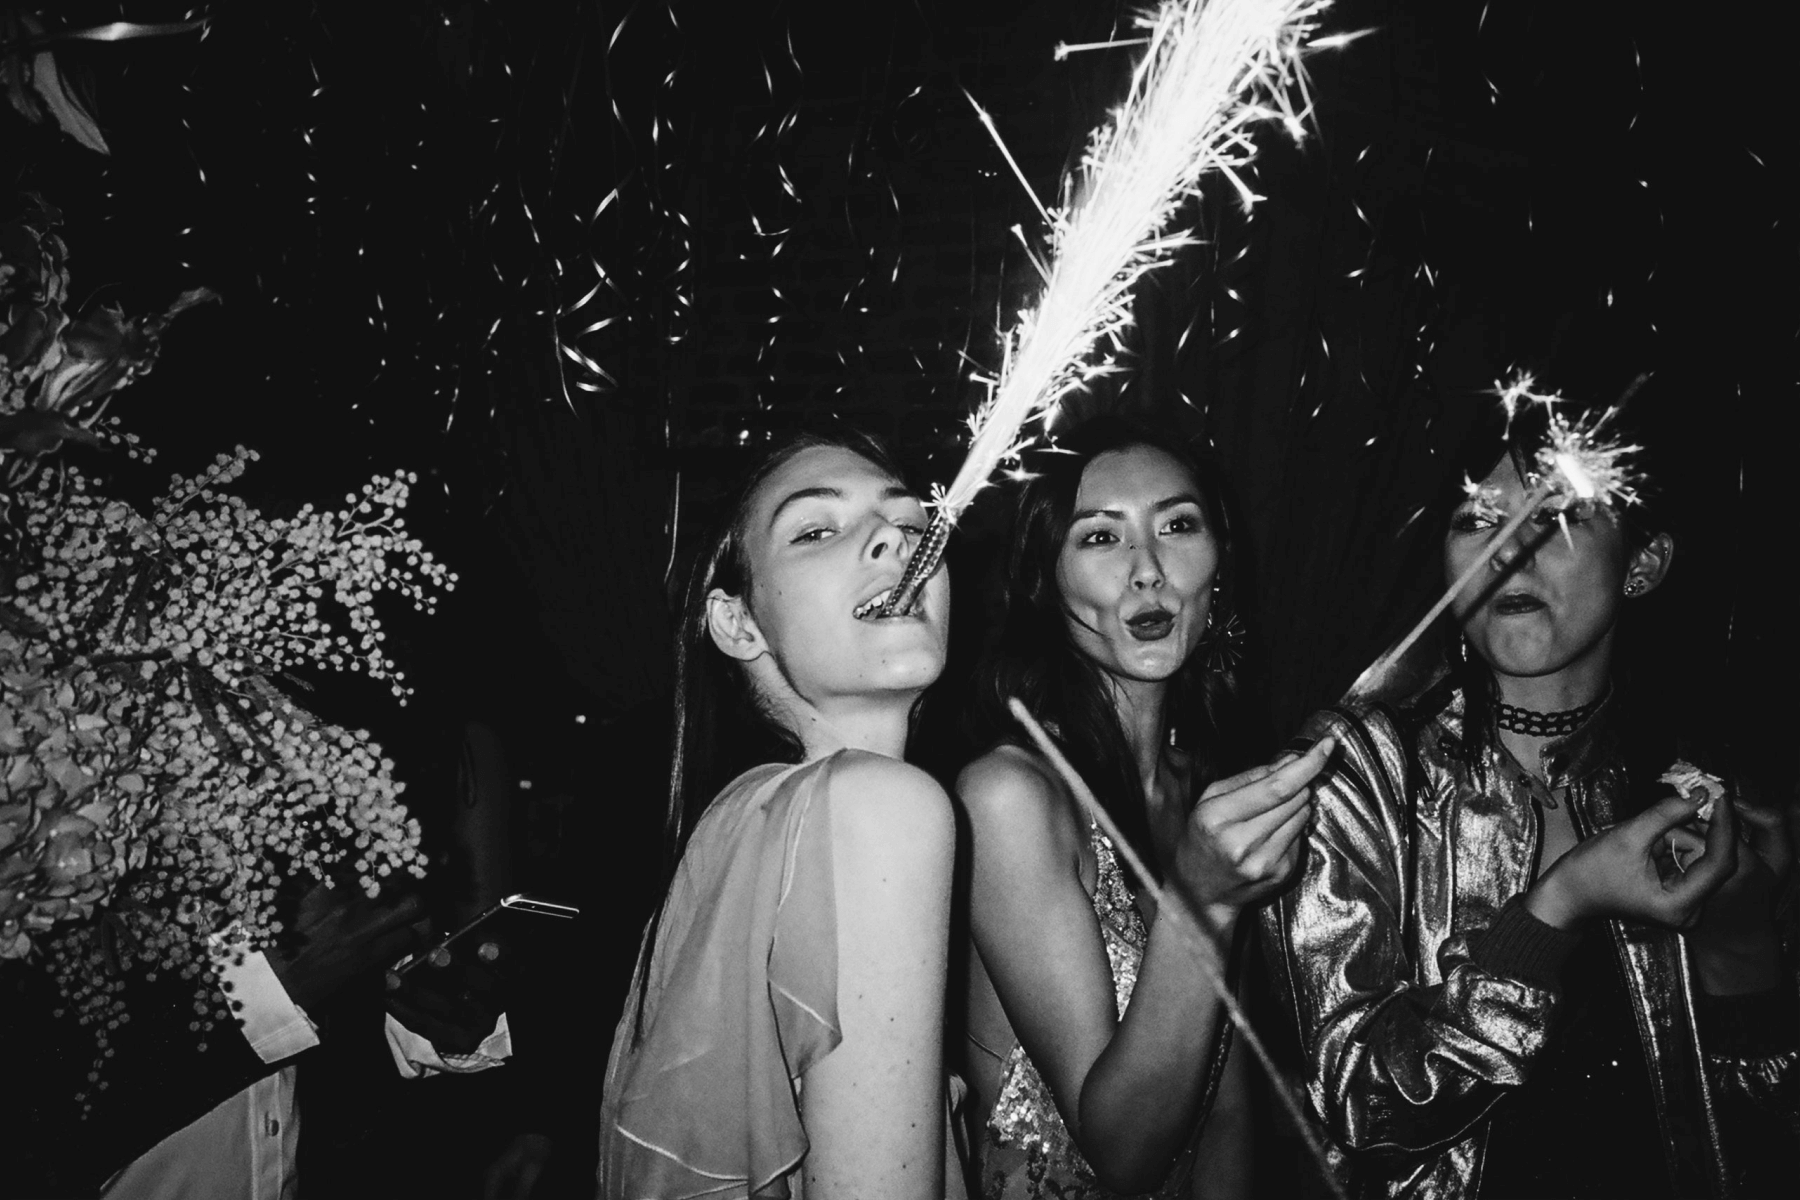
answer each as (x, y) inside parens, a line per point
(1526, 661)
(908, 669)
(1154, 666)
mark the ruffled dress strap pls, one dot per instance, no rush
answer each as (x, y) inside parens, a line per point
(740, 1001)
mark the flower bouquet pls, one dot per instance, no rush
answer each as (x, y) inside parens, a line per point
(160, 786)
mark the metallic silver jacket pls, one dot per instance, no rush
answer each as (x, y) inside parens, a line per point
(1408, 1042)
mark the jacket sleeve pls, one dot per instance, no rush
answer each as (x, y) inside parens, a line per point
(1401, 1055)
(156, 1080)
(1751, 1045)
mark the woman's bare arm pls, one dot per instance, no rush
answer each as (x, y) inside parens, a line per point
(1129, 1091)
(874, 1107)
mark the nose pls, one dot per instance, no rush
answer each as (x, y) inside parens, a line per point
(1146, 566)
(1515, 551)
(887, 539)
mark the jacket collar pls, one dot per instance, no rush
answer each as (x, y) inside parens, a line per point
(1592, 746)
(1589, 749)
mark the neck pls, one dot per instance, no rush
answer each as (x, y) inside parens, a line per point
(1141, 709)
(876, 721)
(879, 726)
(1580, 683)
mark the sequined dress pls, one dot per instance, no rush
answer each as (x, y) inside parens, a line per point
(1026, 1151)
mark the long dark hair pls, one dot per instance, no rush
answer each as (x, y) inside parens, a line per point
(721, 727)
(1033, 656)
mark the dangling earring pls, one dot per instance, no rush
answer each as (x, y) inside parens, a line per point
(1457, 653)
(1224, 645)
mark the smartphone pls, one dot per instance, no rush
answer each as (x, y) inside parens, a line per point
(517, 902)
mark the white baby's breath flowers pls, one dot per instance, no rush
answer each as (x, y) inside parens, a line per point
(206, 578)
(162, 780)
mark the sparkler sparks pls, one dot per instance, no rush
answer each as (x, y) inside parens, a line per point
(1212, 71)
(1578, 460)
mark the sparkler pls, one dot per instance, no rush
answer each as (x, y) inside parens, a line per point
(1577, 464)
(1212, 71)
(1202, 937)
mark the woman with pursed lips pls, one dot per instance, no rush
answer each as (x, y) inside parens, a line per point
(1095, 1045)
(1522, 964)
(784, 1031)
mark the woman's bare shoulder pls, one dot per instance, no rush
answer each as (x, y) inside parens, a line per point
(883, 798)
(1014, 788)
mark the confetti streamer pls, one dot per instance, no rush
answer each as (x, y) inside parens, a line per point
(1213, 70)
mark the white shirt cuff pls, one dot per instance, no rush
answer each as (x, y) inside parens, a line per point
(273, 1024)
(417, 1058)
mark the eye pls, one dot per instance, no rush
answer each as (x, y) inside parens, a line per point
(1470, 520)
(1098, 537)
(1551, 518)
(1575, 514)
(1183, 523)
(817, 533)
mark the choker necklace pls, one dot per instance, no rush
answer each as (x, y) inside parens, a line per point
(1545, 724)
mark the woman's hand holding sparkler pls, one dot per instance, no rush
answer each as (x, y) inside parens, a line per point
(1635, 870)
(1246, 833)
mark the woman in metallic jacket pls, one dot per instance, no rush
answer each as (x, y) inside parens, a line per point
(1520, 964)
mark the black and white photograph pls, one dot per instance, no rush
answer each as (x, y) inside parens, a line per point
(915, 600)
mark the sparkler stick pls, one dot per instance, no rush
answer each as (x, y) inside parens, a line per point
(1211, 71)
(1202, 936)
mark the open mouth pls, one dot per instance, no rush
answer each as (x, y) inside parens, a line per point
(1151, 626)
(870, 609)
(1515, 604)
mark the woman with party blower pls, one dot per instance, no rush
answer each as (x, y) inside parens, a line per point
(1096, 1042)
(1530, 953)
(783, 1034)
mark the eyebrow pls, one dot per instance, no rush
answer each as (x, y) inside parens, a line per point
(892, 492)
(1159, 506)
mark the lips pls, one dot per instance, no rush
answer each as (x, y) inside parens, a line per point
(1515, 604)
(1151, 626)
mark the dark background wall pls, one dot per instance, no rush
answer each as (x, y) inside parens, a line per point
(574, 261)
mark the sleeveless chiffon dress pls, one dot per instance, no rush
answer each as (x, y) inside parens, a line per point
(702, 1097)
(1026, 1151)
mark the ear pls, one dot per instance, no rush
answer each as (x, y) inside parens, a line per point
(1650, 566)
(733, 627)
